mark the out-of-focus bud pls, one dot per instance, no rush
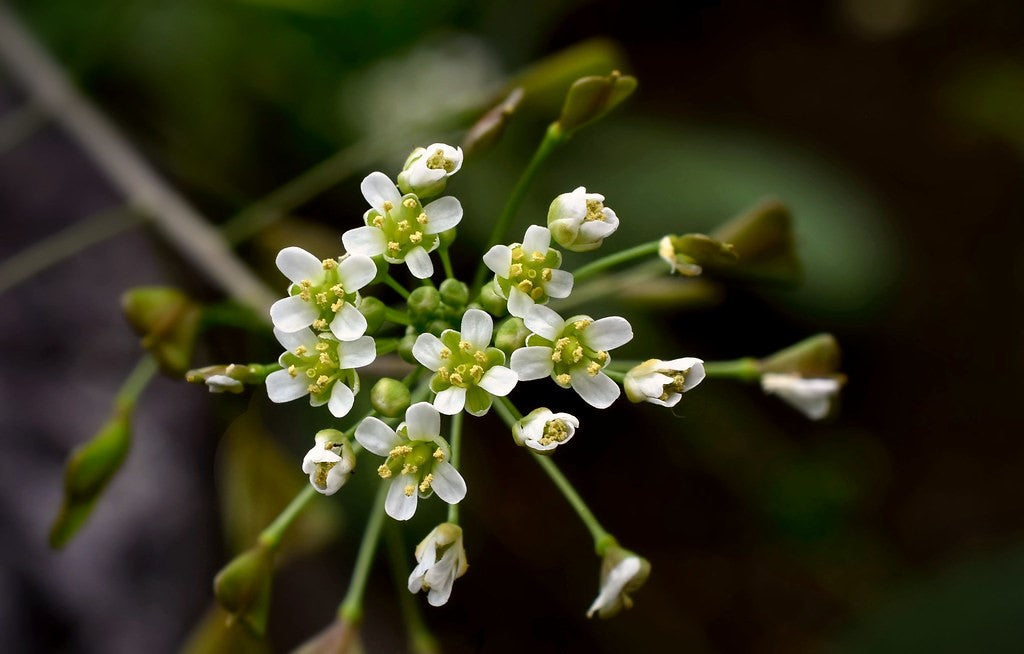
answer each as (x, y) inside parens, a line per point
(690, 253)
(89, 468)
(374, 311)
(622, 573)
(454, 293)
(229, 378)
(405, 348)
(579, 221)
(167, 320)
(590, 98)
(511, 335)
(427, 170)
(390, 397)
(491, 302)
(242, 587)
(486, 131)
(337, 638)
(663, 382)
(763, 239)
(423, 301)
(805, 375)
(814, 356)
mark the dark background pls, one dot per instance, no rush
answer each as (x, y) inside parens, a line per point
(894, 130)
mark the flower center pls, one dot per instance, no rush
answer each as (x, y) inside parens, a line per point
(569, 353)
(463, 365)
(595, 211)
(327, 295)
(438, 161)
(530, 272)
(555, 431)
(404, 228)
(416, 458)
(320, 366)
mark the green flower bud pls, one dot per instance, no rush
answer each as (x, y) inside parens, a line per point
(689, 254)
(590, 98)
(390, 397)
(812, 357)
(511, 335)
(167, 320)
(405, 348)
(423, 301)
(339, 636)
(374, 311)
(454, 293)
(491, 302)
(437, 326)
(242, 587)
(763, 240)
(447, 237)
(488, 130)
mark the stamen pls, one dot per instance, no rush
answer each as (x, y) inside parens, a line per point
(329, 264)
(515, 270)
(300, 351)
(403, 225)
(425, 484)
(415, 237)
(393, 246)
(422, 219)
(399, 450)
(409, 203)
(479, 356)
(593, 368)
(409, 490)
(525, 286)
(545, 274)
(384, 471)
(320, 323)
(444, 353)
(564, 379)
(378, 221)
(388, 206)
(465, 346)
(409, 469)
(439, 454)
(322, 346)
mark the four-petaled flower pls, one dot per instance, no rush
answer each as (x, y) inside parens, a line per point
(573, 352)
(812, 396)
(417, 460)
(322, 293)
(543, 431)
(329, 462)
(579, 221)
(663, 382)
(400, 227)
(440, 560)
(467, 371)
(427, 169)
(321, 367)
(527, 274)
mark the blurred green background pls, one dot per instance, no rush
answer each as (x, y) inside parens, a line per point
(893, 129)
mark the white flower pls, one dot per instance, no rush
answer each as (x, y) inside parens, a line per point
(322, 294)
(663, 382)
(811, 396)
(329, 462)
(417, 460)
(579, 221)
(543, 431)
(440, 560)
(573, 352)
(467, 370)
(399, 227)
(622, 572)
(321, 367)
(223, 384)
(527, 274)
(427, 169)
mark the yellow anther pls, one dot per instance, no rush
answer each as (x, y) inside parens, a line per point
(515, 270)
(545, 274)
(537, 293)
(329, 264)
(563, 379)
(556, 356)
(409, 203)
(338, 290)
(465, 346)
(444, 353)
(554, 431)
(304, 294)
(595, 211)
(581, 324)
(479, 356)
(393, 246)
(305, 283)
(378, 221)
(322, 346)
(422, 219)
(443, 373)
(387, 206)
(320, 323)
(602, 356)
(415, 237)
(409, 469)
(322, 379)
(477, 372)
(525, 286)
(537, 256)
(314, 389)
(336, 307)
(409, 490)
(517, 253)
(562, 343)
(439, 454)
(456, 379)
(300, 351)
(293, 371)
(325, 359)
(577, 354)
(593, 368)
(425, 484)
(403, 225)
(400, 450)
(321, 298)
(384, 471)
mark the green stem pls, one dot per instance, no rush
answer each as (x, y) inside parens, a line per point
(398, 288)
(616, 375)
(272, 535)
(446, 262)
(396, 316)
(456, 442)
(351, 608)
(604, 263)
(421, 641)
(602, 539)
(135, 383)
(553, 137)
(747, 369)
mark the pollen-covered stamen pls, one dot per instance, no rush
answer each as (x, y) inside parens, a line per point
(438, 455)
(426, 482)
(595, 211)
(384, 471)
(378, 221)
(465, 346)
(387, 206)
(409, 203)
(564, 379)
(422, 219)
(438, 161)
(409, 490)
(555, 431)
(329, 264)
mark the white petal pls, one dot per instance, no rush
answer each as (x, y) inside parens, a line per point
(378, 188)
(537, 239)
(448, 483)
(608, 333)
(560, 284)
(532, 362)
(499, 260)
(376, 436)
(356, 272)
(597, 390)
(427, 350)
(498, 381)
(348, 324)
(544, 322)
(451, 400)
(423, 421)
(292, 340)
(419, 263)
(594, 230)
(442, 214)
(613, 584)
(282, 387)
(519, 303)
(398, 505)
(692, 367)
(297, 265)
(570, 206)
(292, 313)
(341, 400)
(368, 241)
(358, 353)
(477, 326)
(813, 397)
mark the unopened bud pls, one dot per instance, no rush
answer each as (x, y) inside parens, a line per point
(242, 587)
(689, 254)
(815, 356)
(374, 311)
(427, 170)
(454, 293)
(511, 335)
(763, 240)
(447, 237)
(488, 130)
(491, 302)
(390, 397)
(423, 301)
(590, 98)
(167, 320)
(405, 348)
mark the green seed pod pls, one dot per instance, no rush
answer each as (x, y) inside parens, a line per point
(454, 293)
(374, 311)
(390, 397)
(93, 463)
(242, 587)
(511, 335)
(491, 302)
(405, 348)
(167, 320)
(424, 301)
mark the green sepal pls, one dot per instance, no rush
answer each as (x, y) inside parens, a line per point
(590, 98)
(816, 356)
